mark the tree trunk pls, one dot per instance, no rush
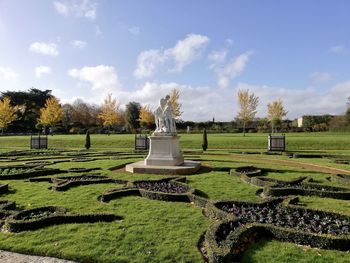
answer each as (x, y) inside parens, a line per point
(244, 128)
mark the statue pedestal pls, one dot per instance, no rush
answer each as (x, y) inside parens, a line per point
(164, 151)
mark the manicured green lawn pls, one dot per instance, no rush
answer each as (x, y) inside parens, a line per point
(160, 231)
(294, 141)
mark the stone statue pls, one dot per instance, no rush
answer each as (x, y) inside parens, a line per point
(165, 122)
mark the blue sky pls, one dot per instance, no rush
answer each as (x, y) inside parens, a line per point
(297, 51)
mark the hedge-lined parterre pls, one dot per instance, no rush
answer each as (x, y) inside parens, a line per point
(32, 219)
(243, 222)
(168, 189)
(66, 182)
(13, 172)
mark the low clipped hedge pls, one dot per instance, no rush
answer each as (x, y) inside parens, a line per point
(299, 186)
(7, 205)
(82, 159)
(343, 179)
(249, 171)
(342, 161)
(64, 183)
(174, 190)
(82, 170)
(309, 189)
(226, 240)
(36, 218)
(4, 188)
(33, 172)
(116, 193)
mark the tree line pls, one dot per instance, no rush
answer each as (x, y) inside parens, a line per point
(35, 111)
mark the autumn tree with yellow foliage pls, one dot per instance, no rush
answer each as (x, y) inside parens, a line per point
(7, 113)
(146, 116)
(248, 103)
(110, 113)
(275, 113)
(174, 99)
(51, 113)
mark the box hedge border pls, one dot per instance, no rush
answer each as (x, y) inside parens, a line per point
(64, 183)
(343, 179)
(231, 249)
(15, 224)
(35, 173)
(132, 189)
(4, 188)
(286, 191)
(237, 172)
(269, 189)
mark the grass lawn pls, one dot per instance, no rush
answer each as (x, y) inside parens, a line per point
(160, 231)
(325, 141)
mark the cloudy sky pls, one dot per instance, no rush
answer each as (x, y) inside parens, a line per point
(298, 51)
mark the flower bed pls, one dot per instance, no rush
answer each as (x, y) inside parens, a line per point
(245, 222)
(249, 171)
(169, 189)
(23, 172)
(64, 183)
(82, 170)
(36, 218)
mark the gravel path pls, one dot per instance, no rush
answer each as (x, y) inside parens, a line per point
(10, 257)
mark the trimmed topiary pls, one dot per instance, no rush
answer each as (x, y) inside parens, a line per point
(87, 140)
(205, 140)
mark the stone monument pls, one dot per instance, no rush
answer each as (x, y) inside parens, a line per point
(165, 156)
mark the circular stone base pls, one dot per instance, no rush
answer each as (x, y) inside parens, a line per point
(188, 167)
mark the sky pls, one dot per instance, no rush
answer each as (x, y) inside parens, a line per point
(297, 51)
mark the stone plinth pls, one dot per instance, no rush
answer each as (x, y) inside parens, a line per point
(164, 151)
(187, 168)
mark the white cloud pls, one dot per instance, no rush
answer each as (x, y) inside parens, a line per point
(41, 70)
(98, 31)
(78, 44)
(7, 73)
(135, 30)
(198, 103)
(148, 63)
(101, 79)
(300, 102)
(232, 69)
(77, 8)
(217, 57)
(187, 50)
(183, 53)
(49, 49)
(320, 77)
(339, 49)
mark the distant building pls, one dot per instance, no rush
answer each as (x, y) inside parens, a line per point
(307, 121)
